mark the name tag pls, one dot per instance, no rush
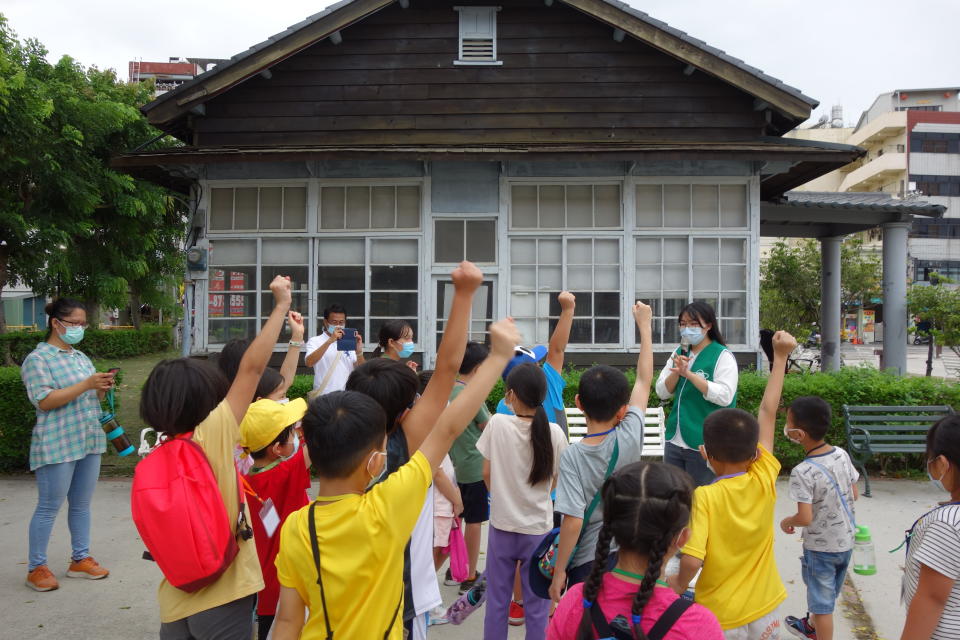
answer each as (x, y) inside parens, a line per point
(269, 517)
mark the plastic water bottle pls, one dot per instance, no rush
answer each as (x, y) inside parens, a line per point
(468, 602)
(864, 556)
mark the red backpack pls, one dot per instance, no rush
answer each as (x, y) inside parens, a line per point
(181, 516)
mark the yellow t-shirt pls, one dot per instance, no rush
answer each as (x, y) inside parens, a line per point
(361, 540)
(218, 436)
(731, 530)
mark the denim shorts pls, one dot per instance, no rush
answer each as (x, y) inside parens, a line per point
(824, 573)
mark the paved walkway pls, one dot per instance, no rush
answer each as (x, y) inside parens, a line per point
(123, 605)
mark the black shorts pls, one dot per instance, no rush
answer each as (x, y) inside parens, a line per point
(476, 502)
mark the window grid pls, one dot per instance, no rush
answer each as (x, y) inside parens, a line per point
(280, 208)
(280, 257)
(232, 291)
(369, 207)
(482, 250)
(560, 217)
(691, 206)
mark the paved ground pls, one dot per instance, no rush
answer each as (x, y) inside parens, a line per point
(123, 605)
(946, 366)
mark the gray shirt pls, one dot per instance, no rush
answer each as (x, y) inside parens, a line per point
(831, 529)
(582, 470)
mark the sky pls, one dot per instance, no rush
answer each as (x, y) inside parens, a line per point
(838, 51)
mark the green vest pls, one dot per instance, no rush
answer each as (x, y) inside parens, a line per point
(690, 408)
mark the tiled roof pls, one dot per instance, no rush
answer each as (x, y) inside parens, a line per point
(866, 200)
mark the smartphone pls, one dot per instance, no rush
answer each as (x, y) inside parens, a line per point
(114, 371)
(349, 340)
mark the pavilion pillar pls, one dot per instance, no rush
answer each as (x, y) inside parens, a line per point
(895, 296)
(830, 303)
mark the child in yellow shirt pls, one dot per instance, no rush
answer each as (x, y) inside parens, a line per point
(731, 527)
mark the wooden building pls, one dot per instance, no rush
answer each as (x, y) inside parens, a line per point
(560, 144)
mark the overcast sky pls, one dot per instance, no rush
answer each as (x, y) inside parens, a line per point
(838, 51)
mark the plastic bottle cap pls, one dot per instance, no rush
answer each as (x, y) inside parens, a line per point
(863, 534)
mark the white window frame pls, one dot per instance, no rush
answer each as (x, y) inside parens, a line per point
(464, 34)
(369, 182)
(207, 199)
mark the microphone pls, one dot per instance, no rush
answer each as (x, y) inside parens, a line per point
(685, 346)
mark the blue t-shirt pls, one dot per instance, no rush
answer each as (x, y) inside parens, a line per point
(553, 403)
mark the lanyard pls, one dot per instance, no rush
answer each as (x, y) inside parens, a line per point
(247, 489)
(729, 475)
(636, 576)
(597, 435)
(909, 532)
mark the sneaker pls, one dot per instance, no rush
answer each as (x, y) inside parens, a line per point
(438, 615)
(87, 568)
(42, 579)
(800, 627)
(516, 614)
(448, 580)
(466, 585)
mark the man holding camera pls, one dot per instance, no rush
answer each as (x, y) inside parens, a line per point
(330, 354)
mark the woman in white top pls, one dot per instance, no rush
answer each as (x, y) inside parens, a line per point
(700, 377)
(522, 454)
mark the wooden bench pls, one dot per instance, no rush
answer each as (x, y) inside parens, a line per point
(653, 422)
(872, 430)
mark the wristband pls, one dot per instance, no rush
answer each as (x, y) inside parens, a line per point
(296, 343)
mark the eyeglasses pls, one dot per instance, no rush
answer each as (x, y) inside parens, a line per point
(691, 325)
(67, 323)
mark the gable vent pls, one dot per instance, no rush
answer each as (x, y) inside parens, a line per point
(478, 36)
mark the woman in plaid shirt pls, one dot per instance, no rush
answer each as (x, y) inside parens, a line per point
(67, 440)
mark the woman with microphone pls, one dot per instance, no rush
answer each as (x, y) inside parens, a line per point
(701, 376)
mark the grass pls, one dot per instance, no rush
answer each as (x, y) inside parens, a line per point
(134, 372)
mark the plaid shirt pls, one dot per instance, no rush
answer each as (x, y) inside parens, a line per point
(70, 432)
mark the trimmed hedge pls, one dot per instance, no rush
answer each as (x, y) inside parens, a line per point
(97, 343)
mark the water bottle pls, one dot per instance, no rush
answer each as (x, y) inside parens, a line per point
(864, 556)
(477, 591)
(116, 435)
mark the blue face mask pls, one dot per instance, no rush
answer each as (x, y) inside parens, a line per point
(407, 350)
(694, 334)
(937, 482)
(72, 335)
(332, 328)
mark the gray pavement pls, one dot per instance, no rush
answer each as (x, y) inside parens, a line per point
(124, 606)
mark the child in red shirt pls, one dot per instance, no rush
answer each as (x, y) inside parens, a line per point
(277, 484)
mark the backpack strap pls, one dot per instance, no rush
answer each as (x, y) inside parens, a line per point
(602, 627)
(669, 618)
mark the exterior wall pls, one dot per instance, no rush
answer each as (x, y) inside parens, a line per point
(665, 232)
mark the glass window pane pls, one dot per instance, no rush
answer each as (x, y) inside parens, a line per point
(245, 208)
(606, 205)
(524, 207)
(240, 305)
(581, 332)
(607, 331)
(448, 241)
(523, 251)
(297, 275)
(340, 252)
(606, 252)
(651, 298)
(271, 207)
(298, 303)
(389, 304)
(551, 251)
(676, 205)
(221, 209)
(551, 278)
(223, 331)
(734, 330)
(708, 298)
(705, 251)
(393, 252)
(551, 207)
(733, 250)
(706, 211)
(340, 278)
(294, 207)
(607, 278)
(284, 251)
(544, 329)
(648, 276)
(733, 205)
(408, 207)
(607, 304)
(675, 251)
(352, 302)
(358, 207)
(705, 279)
(734, 305)
(390, 277)
(233, 252)
(523, 277)
(648, 251)
(580, 205)
(233, 279)
(527, 328)
(523, 304)
(547, 305)
(733, 278)
(649, 205)
(383, 205)
(579, 251)
(331, 208)
(482, 240)
(580, 278)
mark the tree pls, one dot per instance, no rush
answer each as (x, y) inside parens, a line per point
(940, 307)
(69, 223)
(790, 283)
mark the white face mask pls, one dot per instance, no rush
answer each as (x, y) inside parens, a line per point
(374, 479)
(296, 444)
(786, 434)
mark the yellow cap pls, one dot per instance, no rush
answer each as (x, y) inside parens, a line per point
(265, 419)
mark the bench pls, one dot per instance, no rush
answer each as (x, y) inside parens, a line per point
(653, 422)
(872, 430)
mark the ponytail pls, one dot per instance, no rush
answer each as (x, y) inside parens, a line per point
(529, 385)
(58, 309)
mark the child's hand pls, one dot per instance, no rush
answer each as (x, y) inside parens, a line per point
(504, 338)
(783, 343)
(567, 301)
(557, 586)
(457, 505)
(296, 325)
(412, 365)
(787, 528)
(281, 290)
(467, 277)
(642, 313)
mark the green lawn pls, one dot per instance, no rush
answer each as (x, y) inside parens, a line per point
(135, 372)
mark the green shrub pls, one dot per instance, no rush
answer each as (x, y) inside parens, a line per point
(97, 343)
(17, 417)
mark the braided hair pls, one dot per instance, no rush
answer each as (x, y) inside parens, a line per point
(645, 506)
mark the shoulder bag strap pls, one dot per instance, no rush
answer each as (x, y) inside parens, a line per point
(326, 377)
(836, 486)
(601, 626)
(315, 547)
(596, 497)
(668, 618)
